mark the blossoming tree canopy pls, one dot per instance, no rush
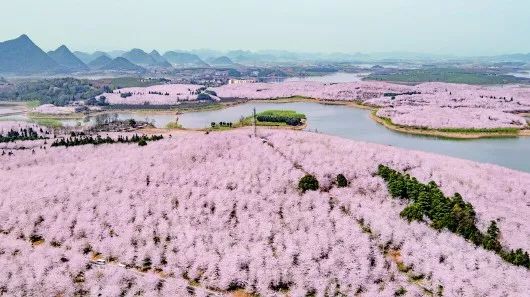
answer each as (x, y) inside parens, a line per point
(197, 214)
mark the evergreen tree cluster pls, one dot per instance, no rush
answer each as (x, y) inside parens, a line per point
(291, 121)
(158, 93)
(126, 94)
(22, 134)
(57, 91)
(391, 94)
(221, 124)
(82, 140)
(428, 203)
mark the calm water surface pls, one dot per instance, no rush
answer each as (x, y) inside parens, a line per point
(352, 123)
(525, 74)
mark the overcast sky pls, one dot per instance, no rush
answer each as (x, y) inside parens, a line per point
(459, 27)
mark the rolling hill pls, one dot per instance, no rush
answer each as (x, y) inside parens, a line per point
(227, 214)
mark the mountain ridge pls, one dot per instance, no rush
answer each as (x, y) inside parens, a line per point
(180, 59)
(22, 56)
(64, 57)
(121, 64)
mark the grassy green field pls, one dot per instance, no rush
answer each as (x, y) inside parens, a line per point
(48, 122)
(173, 125)
(282, 113)
(32, 104)
(448, 75)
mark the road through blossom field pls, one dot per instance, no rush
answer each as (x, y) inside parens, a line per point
(218, 213)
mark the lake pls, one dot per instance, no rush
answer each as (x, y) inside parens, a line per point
(524, 74)
(354, 123)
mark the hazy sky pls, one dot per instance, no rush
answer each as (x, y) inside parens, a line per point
(461, 27)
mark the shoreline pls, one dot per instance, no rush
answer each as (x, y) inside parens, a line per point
(174, 109)
(152, 130)
(234, 102)
(445, 134)
(236, 126)
(403, 129)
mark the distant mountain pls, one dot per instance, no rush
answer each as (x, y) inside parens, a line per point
(121, 64)
(87, 58)
(160, 61)
(222, 61)
(22, 56)
(251, 58)
(184, 59)
(64, 57)
(139, 57)
(156, 56)
(100, 62)
(84, 57)
(206, 54)
(116, 53)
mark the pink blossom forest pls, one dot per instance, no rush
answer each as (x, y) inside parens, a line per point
(265, 148)
(223, 212)
(426, 105)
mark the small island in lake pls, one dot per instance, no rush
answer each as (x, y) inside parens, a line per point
(276, 118)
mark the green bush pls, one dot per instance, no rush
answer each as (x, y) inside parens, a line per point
(126, 94)
(308, 182)
(342, 181)
(204, 96)
(400, 292)
(142, 142)
(35, 238)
